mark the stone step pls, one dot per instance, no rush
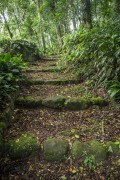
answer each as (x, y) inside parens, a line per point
(42, 70)
(61, 102)
(56, 149)
(52, 82)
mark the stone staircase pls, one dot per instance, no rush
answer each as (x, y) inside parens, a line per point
(59, 119)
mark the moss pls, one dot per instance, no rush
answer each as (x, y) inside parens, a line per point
(56, 102)
(29, 101)
(55, 149)
(98, 101)
(77, 150)
(29, 51)
(77, 103)
(37, 82)
(3, 126)
(42, 70)
(51, 82)
(113, 148)
(95, 148)
(23, 146)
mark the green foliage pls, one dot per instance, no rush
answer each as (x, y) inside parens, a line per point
(90, 161)
(94, 52)
(10, 74)
(28, 50)
(114, 90)
(23, 147)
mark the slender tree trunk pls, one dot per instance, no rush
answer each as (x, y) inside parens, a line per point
(117, 7)
(7, 26)
(87, 18)
(17, 22)
(40, 27)
(74, 23)
(59, 35)
(43, 42)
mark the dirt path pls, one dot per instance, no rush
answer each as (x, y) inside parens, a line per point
(44, 122)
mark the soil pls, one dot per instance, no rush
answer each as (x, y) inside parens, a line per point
(102, 124)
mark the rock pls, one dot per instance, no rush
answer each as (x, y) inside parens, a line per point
(22, 147)
(55, 149)
(113, 148)
(77, 150)
(28, 101)
(77, 103)
(88, 149)
(98, 101)
(29, 51)
(56, 102)
(96, 149)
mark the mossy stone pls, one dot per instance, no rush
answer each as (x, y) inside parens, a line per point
(96, 149)
(3, 126)
(77, 150)
(22, 147)
(29, 101)
(77, 103)
(113, 148)
(29, 51)
(55, 149)
(56, 102)
(100, 101)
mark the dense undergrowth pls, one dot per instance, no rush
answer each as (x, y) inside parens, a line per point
(10, 75)
(95, 54)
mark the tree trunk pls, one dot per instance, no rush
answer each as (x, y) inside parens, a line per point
(74, 23)
(87, 18)
(59, 35)
(40, 27)
(17, 22)
(7, 26)
(118, 7)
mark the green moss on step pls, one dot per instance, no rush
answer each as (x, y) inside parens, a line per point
(29, 101)
(23, 146)
(55, 149)
(113, 148)
(77, 103)
(56, 102)
(98, 101)
(53, 82)
(77, 150)
(83, 150)
(96, 149)
(42, 70)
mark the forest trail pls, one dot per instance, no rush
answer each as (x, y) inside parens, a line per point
(45, 121)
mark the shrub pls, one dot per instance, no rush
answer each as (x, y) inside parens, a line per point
(94, 53)
(28, 50)
(10, 75)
